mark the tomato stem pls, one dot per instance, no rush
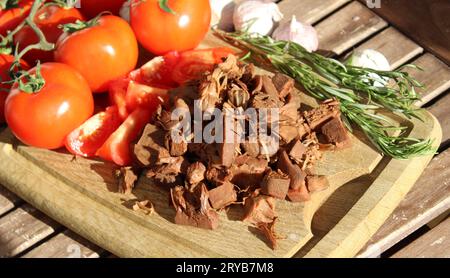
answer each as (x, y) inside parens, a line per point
(80, 25)
(8, 4)
(35, 82)
(164, 5)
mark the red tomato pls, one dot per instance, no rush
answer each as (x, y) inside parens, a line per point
(12, 15)
(192, 64)
(117, 147)
(92, 8)
(48, 19)
(144, 96)
(117, 96)
(157, 72)
(45, 118)
(5, 63)
(101, 53)
(90, 136)
(160, 31)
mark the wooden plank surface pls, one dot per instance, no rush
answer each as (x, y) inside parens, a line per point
(309, 11)
(347, 27)
(8, 200)
(428, 199)
(435, 77)
(65, 245)
(441, 109)
(325, 7)
(397, 48)
(427, 22)
(22, 228)
(375, 205)
(433, 244)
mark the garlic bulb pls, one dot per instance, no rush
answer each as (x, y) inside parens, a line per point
(222, 14)
(125, 10)
(256, 16)
(371, 59)
(303, 34)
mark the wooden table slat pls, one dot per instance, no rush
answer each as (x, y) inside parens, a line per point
(66, 244)
(8, 200)
(433, 244)
(441, 109)
(427, 22)
(348, 27)
(435, 77)
(429, 197)
(397, 48)
(309, 11)
(22, 228)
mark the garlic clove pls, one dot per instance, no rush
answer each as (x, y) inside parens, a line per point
(256, 16)
(222, 14)
(294, 31)
(369, 58)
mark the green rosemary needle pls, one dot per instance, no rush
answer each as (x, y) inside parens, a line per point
(354, 87)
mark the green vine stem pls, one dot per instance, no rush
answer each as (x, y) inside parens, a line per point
(27, 83)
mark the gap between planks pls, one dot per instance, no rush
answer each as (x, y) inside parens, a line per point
(433, 244)
(22, 228)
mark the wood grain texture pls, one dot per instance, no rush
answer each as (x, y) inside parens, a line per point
(309, 11)
(104, 217)
(22, 228)
(435, 77)
(65, 245)
(429, 197)
(233, 238)
(397, 48)
(8, 200)
(378, 202)
(441, 109)
(347, 27)
(433, 244)
(427, 22)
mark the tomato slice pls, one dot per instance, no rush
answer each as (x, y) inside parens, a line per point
(117, 147)
(139, 95)
(157, 72)
(90, 136)
(192, 64)
(117, 96)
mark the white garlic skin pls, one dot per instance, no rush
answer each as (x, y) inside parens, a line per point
(294, 31)
(371, 59)
(256, 16)
(222, 14)
(125, 11)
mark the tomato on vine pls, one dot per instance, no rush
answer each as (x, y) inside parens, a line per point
(167, 25)
(5, 64)
(12, 13)
(46, 105)
(48, 19)
(102, 50)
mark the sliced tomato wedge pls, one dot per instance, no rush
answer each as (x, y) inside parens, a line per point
(117, 147)
(144, 96)
(192, 64)
(117, 96)
(90, 136)
(157, 72)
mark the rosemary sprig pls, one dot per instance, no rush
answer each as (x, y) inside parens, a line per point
(354, 87)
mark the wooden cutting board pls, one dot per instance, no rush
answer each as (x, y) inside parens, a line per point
(81, 194)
